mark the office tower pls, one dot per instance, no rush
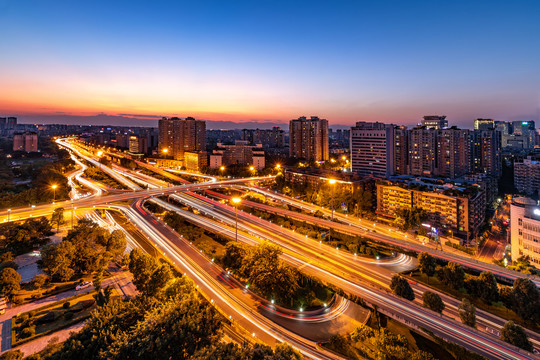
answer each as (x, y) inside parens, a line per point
(309, 138)
(423, 152)
(486, 152)
(435, 122)
(484, 124)
(177, 136)
(138, 144)
(453, 147)
(525, 229)
(372, 149)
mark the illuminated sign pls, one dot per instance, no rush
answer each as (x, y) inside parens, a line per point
(524, 123)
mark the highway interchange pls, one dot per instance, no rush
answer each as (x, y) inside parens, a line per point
(365, 278)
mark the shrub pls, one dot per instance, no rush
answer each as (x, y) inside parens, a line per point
(87, 303)
(66, 305)
(69, 315)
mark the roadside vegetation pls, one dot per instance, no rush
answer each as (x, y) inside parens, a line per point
(384, 338)
(258, 267)
(102, 177)
(519, 302)
(25, 181)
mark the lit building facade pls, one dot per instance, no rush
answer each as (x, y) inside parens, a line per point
(525, 229)
(372, 149)
(308, 139)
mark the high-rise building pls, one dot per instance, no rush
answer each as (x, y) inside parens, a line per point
(423, 152)
(435, 122)
(453, 147)
(309, 138)
(27, 142)
(525, 229)
(372, 149)
(177, 136)
(527, 176)
(484, 124)
(486, 152)
(401, 151)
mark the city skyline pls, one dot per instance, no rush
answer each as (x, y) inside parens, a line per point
(270, 62)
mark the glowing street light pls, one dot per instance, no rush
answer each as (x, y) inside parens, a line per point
(222, 168)
(278, 166)
(251, 168)
(236, 201)
(100, 153)
(54, 191)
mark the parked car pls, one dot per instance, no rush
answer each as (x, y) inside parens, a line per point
(84, 285)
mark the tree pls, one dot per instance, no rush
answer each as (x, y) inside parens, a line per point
(141, 266)
(401, 287)
(526, 300)
(159, 278)
(488, 290)
(9, 282)
(433, 301)
(426, 264)
(452, 275)
(56, 260)
(116, 243)
(515, 335)
(58, 217)
(12, 355)
(39, 281)
(467, 313)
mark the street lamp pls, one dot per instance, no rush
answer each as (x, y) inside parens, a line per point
(54, 192)
(332, 182)
(236, 201)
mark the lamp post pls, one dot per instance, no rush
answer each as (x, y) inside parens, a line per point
(99, 154)
(332, 182)
(54, 192)
(236, 201)
(222, 170)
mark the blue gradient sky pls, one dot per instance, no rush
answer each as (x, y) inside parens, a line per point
(391, 61)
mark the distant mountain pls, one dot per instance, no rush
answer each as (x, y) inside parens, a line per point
(146, 121)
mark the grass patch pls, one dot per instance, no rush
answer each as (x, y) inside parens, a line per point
(29, 294)
(22, 323)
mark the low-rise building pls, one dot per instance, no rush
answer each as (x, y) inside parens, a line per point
(457, 210)
(241, 153)
(195, 160)
(525, 229)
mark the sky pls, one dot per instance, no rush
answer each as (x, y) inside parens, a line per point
(270, 61)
